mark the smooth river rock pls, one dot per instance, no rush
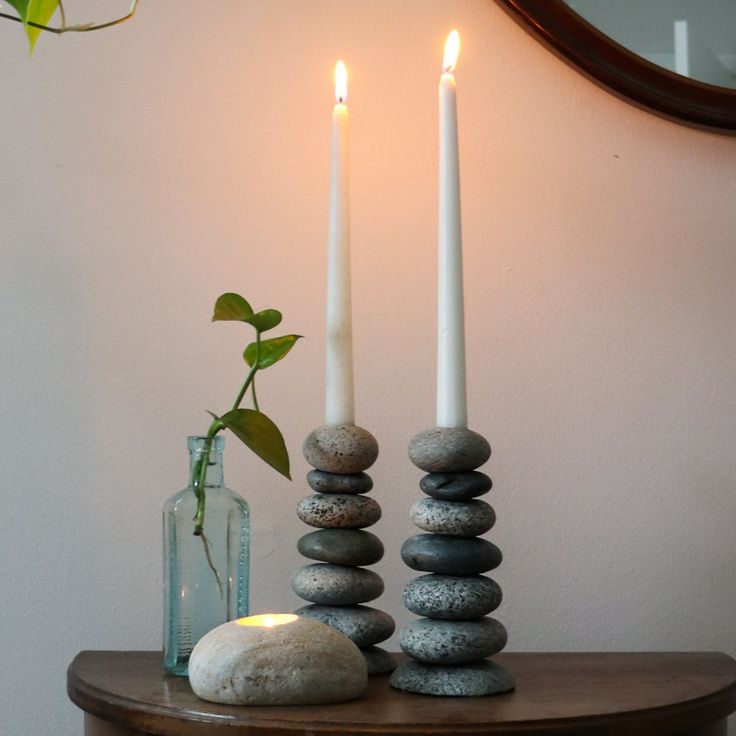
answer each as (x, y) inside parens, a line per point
(452, 598)
(456, 486)
(456, 518)
(363, 625)
(379, 661)
(300, 662)
(448, 450)
(342, 547)
(338, 511)
(452, 642)
(343, 449)
(477, 678)
(323, 482)
(336, 585)
(450, 555)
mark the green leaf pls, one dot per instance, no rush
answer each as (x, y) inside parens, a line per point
(272, 350)
(265, 320)
(231, 307)
(21, 6)
(261, 435)
(34, 11)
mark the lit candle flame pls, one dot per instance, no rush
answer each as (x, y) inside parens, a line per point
(452, 48)
(267, 620)
(341, 83)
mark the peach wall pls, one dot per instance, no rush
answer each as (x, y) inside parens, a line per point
(149, 168)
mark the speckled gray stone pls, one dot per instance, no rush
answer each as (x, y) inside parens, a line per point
(378, 660)
(456, 518)
(450, 597)
(343, 449)
(456, 486)
(338, 511)
(336, 585)
(299, 662)
(474, 679)
(450, 555)
(452, 642)
(363, 625)
(342, 547)
(448, 450)
(324, 482)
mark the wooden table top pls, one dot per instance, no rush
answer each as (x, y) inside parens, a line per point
(637, 694)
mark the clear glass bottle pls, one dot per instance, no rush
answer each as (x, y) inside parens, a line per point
(205, 577)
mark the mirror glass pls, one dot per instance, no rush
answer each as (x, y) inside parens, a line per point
(694, 38)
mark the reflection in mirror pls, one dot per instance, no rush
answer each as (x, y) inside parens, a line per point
(694, 38)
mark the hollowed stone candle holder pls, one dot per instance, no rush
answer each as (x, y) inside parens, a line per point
(337, 583)
(449, 646)
(276, 659)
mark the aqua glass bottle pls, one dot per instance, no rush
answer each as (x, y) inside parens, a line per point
(205, 577)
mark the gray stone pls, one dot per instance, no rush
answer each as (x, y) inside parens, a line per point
(336, 585)
(456, 486)
(450, 555)
(324, 482)
(477, 678)
(342, 547)
(452, 598)
(294, 661)
(455, 518)
(452, 642)
(378, 660)
(338, 511)
(363, 625)
(448, 450)
(343, 449)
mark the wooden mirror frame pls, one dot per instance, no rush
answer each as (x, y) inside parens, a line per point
(623, 72)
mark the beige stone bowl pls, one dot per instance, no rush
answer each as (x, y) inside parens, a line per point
(276, 659)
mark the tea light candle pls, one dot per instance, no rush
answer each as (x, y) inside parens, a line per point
(267, 620)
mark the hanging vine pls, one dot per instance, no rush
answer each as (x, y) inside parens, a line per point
(35, 16)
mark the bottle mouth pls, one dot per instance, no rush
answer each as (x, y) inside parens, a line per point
(198, 443)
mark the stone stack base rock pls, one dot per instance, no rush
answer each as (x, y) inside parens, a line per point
(450, 644)
(337, 584)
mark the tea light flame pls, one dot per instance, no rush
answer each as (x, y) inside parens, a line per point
(267, 620)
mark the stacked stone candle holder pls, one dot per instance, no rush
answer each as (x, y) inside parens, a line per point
(338, 583)
(449, 645)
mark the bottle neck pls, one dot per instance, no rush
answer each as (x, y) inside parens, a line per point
(198, 451)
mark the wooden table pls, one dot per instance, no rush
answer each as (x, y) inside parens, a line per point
(604, 694)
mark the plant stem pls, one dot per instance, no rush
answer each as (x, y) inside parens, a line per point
(199, 472)
(257, 362)
(199, 479)
(248, 380)
(254, 395)
(199, 475)
(199, 469)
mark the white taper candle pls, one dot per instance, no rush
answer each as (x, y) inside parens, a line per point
(452, 408)
(339, 402)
